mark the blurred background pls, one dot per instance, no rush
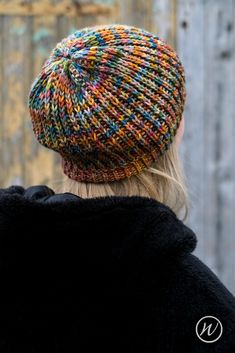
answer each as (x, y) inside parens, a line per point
(203, 34)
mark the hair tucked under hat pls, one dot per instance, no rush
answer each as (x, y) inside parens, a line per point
(110, 100)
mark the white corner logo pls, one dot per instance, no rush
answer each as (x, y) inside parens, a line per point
(209, 329)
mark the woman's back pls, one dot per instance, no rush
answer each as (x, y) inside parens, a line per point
(110, 273)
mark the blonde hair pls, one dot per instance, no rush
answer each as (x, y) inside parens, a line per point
(164, 181)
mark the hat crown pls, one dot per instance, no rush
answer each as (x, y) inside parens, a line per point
(109, 99)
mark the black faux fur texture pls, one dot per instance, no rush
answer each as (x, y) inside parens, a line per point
(110, 274)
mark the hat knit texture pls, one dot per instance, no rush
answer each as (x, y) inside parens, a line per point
(109, 100)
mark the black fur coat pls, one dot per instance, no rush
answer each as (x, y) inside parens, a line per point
(110, 274)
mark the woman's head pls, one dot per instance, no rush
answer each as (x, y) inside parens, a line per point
(110, 100)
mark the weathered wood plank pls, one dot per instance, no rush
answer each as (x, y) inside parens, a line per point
(164, 20)
(190, 28)
(39, 162)
(136, 13)
(206, 44)
(28, 73)
(2, 170)
(68, 8)
(13, 100)
(219, 158)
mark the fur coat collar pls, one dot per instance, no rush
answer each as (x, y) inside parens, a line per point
(116, 227)
(113, 274)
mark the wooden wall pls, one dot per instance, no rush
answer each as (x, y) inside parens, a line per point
(203, 33)
(28, 32)
(206, 43)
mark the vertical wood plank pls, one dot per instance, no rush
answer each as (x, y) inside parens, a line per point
(136, 13)
(2, 172)
(13, 99)
(164, 20)
(104, 19)
(220, 131)
(189, 42)
(44, 38)
(205, 42)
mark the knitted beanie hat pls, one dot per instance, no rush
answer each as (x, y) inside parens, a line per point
(109, 100)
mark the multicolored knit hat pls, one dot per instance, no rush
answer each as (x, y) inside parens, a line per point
(110, 100)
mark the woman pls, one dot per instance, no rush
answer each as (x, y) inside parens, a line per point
(107, 264)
